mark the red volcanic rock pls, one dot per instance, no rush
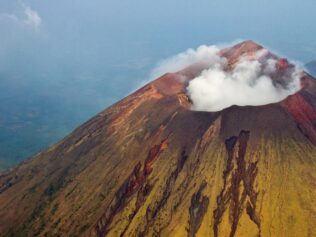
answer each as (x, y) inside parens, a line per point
(300, 109)
(282, 64)
(153, 155)
(308, 83)
(169, 84)
(235, 52)
(303, 113)
(247, 48)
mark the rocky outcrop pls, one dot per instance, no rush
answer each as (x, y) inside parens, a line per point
(138, 183)
(304, 115)
(198, 209)
(238, 192)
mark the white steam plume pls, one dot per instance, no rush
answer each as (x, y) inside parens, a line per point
(32, 18)
(203, 55)
(249, 82)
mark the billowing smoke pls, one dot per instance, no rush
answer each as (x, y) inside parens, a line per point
(250, 82)
(203, 55)
(253, 80)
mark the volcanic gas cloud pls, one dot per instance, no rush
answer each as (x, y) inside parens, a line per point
(253, 79)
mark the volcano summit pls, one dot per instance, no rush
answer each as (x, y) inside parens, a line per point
(178, 158)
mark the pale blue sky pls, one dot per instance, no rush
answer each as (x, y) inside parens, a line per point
(88, 54)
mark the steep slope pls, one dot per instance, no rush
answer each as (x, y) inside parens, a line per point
(149, 166)
(311, 66)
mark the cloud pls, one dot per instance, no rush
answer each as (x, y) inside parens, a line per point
(249, 83)
(252, 80)
(10, 17)
(204, 55)
(32, 18)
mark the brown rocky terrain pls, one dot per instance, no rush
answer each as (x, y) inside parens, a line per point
(150, 166)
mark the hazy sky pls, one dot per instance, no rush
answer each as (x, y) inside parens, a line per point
(88, 54)
(101, 49)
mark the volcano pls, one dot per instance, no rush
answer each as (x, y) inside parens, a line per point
(150, 166)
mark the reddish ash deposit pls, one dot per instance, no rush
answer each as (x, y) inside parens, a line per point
(135, 183)
(303, 113)
(234, 54)
(282, 64)
(153, 155)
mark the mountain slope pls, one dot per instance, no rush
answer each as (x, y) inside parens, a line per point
(149, 166)
(311, 66)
